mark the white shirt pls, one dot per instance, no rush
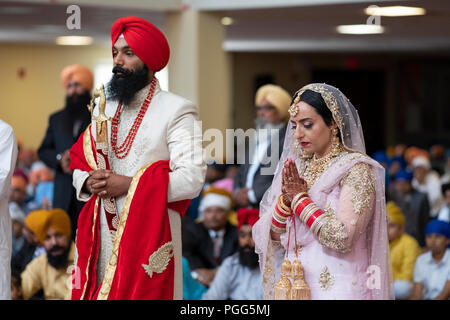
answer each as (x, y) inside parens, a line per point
(235, 281)
(432, 188)
(263, 142)
(432, 275)
(220, 234)
(8, 157)
(444, 214)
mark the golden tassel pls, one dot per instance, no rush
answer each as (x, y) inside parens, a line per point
(282, 289)
(300, 289)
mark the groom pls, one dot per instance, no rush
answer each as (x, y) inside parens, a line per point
(154, 166)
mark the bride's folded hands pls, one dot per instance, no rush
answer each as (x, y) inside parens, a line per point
(291, 182)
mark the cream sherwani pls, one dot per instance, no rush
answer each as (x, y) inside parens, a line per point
(168, 131)
(8, 156)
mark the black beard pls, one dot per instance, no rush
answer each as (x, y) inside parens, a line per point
(58, 261)
(248, 259)
(125, 86)
(76, 104)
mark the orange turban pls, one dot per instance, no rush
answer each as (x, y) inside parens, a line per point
(146, 41)
(39, 221)
(414, 152)
(19, 182)
(78, 73)
(59, 221)
(36, 222)
(276, 96)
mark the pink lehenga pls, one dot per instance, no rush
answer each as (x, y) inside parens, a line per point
(350, 258)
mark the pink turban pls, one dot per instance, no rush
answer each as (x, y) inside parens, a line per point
(146, 41)
(78, 73)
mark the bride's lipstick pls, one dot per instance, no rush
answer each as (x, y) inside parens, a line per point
(304, 144)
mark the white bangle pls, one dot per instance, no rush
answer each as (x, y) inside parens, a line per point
(307, 212)
(297, 198)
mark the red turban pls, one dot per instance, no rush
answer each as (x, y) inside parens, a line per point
(247, 216)
(147, 41)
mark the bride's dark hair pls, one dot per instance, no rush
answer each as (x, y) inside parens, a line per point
(315, 100)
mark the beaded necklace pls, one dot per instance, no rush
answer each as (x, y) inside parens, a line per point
(315, 167)
(123, 150)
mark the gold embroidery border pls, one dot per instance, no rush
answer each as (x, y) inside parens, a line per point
(90, 254)
(87, 148)
(112, 265)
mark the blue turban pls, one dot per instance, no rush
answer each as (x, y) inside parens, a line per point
(398, 159)
(381, 156)
(438, 227)
(404, 175)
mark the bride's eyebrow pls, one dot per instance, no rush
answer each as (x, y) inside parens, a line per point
(305, 119)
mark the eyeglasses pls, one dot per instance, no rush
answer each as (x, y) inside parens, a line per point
(264, 108)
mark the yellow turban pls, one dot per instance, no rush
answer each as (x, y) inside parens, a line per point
(36, 222)
(78, 73)
(59, 221)
(395, 213)
(276, 96)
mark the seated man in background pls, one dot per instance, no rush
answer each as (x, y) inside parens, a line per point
(18, 191)
(206, 243)
(49, 271)
(32, 248)
(239, 276)
(404, 252)
(427, 181)
(414, 205)
(432, 269)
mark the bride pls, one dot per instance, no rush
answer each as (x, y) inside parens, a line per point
(326, 205)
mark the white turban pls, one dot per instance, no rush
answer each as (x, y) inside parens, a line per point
(421, 162)
(215, 199)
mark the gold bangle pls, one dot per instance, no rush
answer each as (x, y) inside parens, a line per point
(282, 206)
(276, 229)
(278, 218)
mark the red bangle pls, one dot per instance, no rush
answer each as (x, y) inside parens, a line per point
(277, 224)
(302, 205)
(313, 217)
(280, 212)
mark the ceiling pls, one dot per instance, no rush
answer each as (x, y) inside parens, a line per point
(290, 27)
(312, 28)
(38, 22)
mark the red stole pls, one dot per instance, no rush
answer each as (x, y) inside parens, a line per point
(141, 264)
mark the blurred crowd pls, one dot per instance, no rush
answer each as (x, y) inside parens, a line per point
(418, 207)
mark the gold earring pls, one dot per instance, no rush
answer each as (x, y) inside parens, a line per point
(298, 149)
(335, 141)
